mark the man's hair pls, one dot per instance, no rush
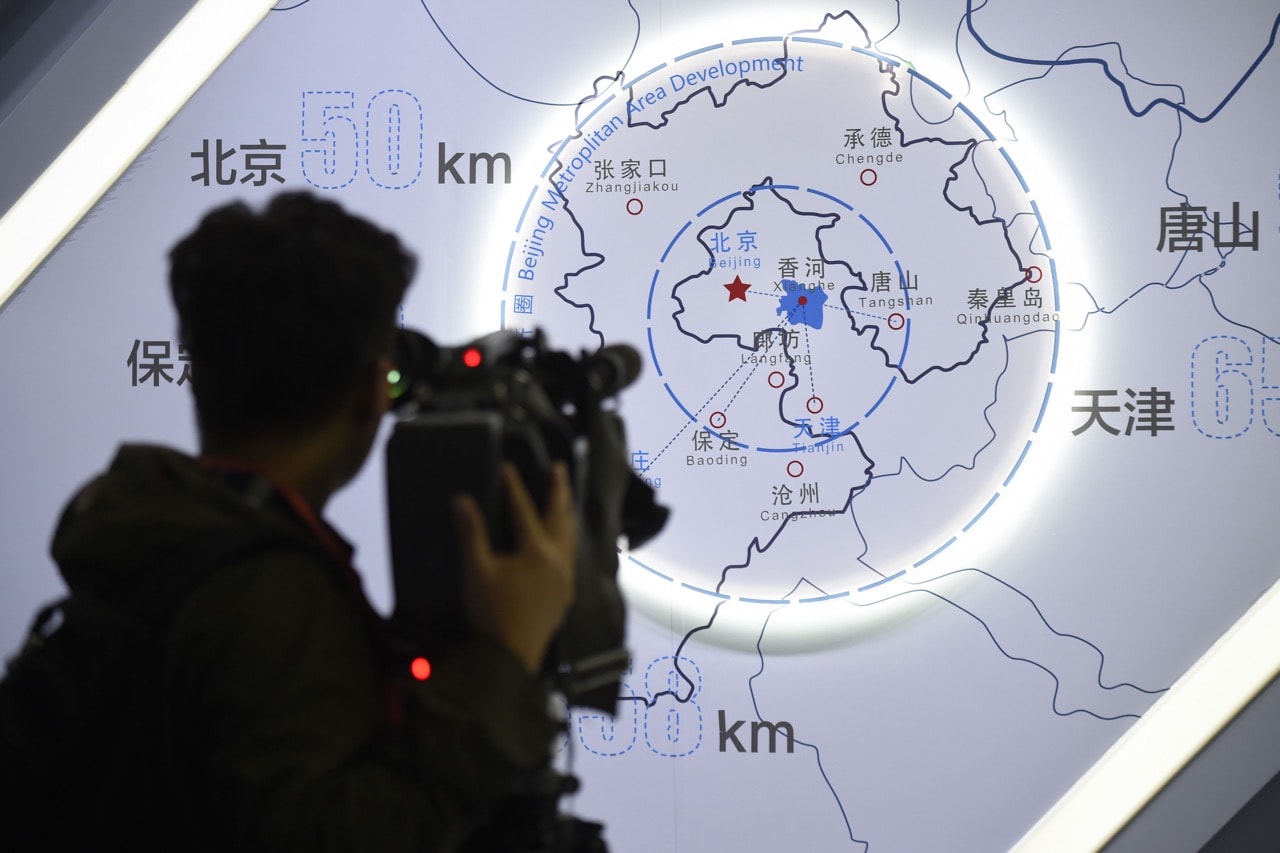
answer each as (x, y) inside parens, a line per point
(282, 310)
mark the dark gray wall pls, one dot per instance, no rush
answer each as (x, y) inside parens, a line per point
(60, 61)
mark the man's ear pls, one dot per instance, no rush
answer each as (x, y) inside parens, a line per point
(372, 397)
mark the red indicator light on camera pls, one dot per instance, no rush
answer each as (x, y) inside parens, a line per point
(472, 357)
(420, 669)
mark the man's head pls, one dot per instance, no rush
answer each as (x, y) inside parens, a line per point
(283, 312)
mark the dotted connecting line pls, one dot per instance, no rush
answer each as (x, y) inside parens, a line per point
(742, 387)
(808, 347)
(683, 429)
(704, 406)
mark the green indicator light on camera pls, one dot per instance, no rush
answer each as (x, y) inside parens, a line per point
(395, 379)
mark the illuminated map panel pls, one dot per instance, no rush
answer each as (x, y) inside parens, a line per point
(959, 337)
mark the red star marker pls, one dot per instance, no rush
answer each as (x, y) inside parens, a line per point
(737, 289)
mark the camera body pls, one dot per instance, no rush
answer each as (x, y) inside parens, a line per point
(506, 397)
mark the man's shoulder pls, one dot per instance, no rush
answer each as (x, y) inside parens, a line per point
(259, 606)
(152, 508)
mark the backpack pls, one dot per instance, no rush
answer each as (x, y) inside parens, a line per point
(82, 734)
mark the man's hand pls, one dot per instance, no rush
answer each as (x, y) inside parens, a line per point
(520, 598)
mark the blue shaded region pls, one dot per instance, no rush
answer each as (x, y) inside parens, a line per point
(802, 307)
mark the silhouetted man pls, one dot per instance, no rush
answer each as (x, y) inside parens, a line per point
(279, 724)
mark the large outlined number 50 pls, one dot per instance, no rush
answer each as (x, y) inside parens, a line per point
(334, 146)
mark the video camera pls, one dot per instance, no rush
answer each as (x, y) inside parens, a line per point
(508, 397)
